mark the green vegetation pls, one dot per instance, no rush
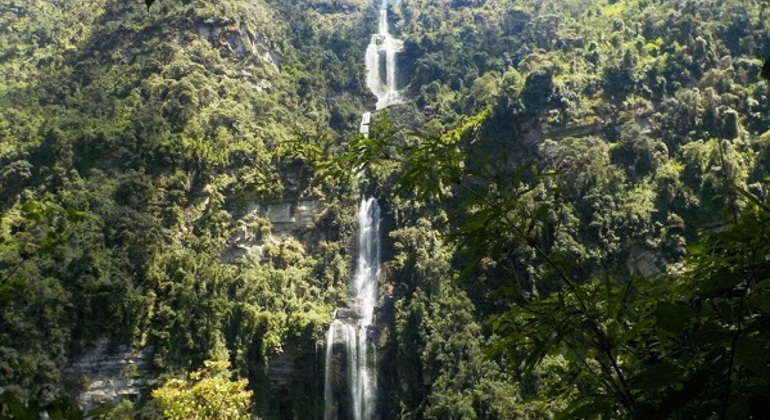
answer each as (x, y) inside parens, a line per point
(207, 394)
(162, 129)
(587, 185)
(575, 201)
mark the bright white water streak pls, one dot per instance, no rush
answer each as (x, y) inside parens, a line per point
(381, 44)
(352, 331)
(351, 325)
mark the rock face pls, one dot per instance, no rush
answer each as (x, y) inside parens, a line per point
(241, 40)
(285, 367)
(642, 261)
(285, 218)
(109, 375)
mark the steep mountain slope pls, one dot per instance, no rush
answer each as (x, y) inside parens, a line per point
(642, 115)
(157, 191)
(155, 173)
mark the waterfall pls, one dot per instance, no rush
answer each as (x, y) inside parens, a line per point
(381, 55)
(347, 342)
(348, 333)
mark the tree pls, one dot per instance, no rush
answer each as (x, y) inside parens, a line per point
(206, 394)
(689, 344)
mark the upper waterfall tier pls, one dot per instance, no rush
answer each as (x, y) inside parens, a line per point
(381, 68)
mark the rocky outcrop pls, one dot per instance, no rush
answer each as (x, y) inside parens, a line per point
(261, 222)
(241, 41)
(108, 376)
(642, 261)
(535, 132)
(284, 368)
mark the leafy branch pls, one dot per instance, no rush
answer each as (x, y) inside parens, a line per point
(57, 226)
(642, 347)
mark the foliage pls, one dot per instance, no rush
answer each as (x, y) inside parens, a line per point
(50, 406)
(586, 176)
(207, 393)
(133, 143)
(660, 346)
(617, 336)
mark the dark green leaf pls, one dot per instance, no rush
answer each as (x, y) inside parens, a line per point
(654, 376)
(718, 283)
(672, 318)
(761, 302)
(101, 411)
(586, 411)
(750, 355)
(9, 404)
(749, 196)
(75, 215)
(707, 335)
(738, 409)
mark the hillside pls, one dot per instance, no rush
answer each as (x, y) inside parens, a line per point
(573, 201)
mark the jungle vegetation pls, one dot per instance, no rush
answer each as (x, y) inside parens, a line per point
(576, 201)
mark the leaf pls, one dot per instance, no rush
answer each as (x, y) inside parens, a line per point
(696, 249)
(586, 411)
(101, 411)
(764, 284)
(719, 283)
(761, 302)
(738, 409)
(9, 404)
(470, 267)
(655, 376)
(765, 74)
(533, 360)
(749, 196)
(708, 335)
(75, 215)
(672, 317)
(33, 212)
(624, 298)
(750, 354)
(689, 391)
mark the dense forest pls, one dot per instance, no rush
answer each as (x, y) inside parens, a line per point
(574, 195)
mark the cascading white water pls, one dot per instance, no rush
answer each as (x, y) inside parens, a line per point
(350, 328)
(383, 46)
(351, 325)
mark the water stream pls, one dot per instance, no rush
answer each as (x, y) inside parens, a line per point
(349, 330)
(347, 343)
(381, 64)
(381, 75)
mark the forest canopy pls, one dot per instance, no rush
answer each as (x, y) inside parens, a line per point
(574, 205)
